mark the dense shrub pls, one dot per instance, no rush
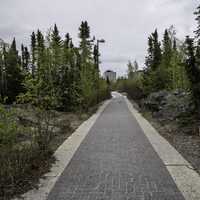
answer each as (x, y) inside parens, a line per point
(132, 87)
(22, 149)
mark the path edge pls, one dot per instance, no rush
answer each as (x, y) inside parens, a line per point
(63, 156)
(183, 174)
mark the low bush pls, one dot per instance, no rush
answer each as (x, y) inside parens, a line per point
(132, 87)
(22, 149)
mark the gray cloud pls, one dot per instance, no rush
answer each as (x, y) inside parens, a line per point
(124, 24)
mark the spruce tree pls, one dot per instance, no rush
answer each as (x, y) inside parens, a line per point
(33, 53)
(14, 76)
(197, 13)
(67, 75)
(22, 57)
(25, 58)
(157, 55)
(88, 69)
(193, 73)
(152, 78)
(40, 58)
(149, 57)
(85, 44)
(56, 47)
(167, 49)
(166, 67)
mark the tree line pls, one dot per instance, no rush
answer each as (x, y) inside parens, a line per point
(53, 72)
(170, 64)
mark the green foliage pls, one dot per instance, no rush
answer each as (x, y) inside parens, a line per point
(62, 77)
(53, 75)
(193, 72)
(133, 84)
(11, 74)
(21, 148)
(165, 67)
(8, 128)
(197, 13)
(132, 69)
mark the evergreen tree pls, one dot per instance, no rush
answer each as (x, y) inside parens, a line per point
(149, 57)
(22, 57)
(14, 76)
(157, 55)
(63, 76)
(153, 74)
(25, 58)
(88, 69)
(85, 44)
(33, 53)
(197, 13)
(167, 49)
(3, 73)
(56, 47)
(67, 79)
(57, 69)
(166, 62)
(193, 73)
(40, 58)
(174, 45)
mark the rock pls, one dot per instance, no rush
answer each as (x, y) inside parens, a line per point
(169, 105)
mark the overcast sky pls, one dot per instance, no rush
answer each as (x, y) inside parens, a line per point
(124, 24)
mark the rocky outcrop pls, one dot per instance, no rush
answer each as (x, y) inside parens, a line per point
(169, 106)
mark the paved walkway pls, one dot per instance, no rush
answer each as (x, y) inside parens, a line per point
(115, 162)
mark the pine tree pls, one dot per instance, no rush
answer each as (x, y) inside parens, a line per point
(85, 44)
(3, 73)
(25, 58)
(14, 76)
(167, 49)
(166, 62)
(67, 74)
(33, 53)
(152, 78)
(40, 58)
(22, 57)
(157, 55)
(197, 13)
(193, 73)
(149, 58)
(56, 47)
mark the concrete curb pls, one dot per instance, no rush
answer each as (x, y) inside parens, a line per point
(185, 177)
(63, 156)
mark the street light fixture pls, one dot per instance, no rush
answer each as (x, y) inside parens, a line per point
(101, 41)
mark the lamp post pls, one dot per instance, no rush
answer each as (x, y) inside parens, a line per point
(98, 42)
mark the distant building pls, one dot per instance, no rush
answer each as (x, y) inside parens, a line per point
(110, 75)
